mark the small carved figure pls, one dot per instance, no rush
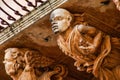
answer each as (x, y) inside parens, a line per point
(26, 64)
(14, 62)
(93, 51)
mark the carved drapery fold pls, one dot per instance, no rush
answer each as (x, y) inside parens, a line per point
(93, 50)
(99, 62)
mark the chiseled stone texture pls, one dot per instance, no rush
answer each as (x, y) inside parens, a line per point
(39, 35)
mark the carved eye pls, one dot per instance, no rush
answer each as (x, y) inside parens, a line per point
(58, 18)
(8, 60)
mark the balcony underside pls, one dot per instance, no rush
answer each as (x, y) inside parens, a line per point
(39, 36)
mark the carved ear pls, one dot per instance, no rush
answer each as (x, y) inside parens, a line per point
(69, 18)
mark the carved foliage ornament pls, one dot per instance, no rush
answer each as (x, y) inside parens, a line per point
(26, 64)
(93, 51)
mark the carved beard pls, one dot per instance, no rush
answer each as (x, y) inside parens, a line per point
(10, 69)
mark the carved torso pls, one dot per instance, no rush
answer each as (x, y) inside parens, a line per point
(105, 57)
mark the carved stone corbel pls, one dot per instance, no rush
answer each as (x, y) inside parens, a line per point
(26, 64)
(93, 50)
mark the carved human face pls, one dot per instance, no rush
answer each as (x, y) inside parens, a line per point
(60, 19)
(10, 60)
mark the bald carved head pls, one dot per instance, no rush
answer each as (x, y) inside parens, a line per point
(60, 20)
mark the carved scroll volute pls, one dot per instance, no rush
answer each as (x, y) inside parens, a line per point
(26, 64)
(61, 72)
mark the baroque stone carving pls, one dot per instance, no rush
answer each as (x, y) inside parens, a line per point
(117, 3)
(93, 51)
(26, 64)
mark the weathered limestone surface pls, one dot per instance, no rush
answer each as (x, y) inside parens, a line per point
(40, 37)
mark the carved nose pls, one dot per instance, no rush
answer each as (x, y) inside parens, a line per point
(4, 62)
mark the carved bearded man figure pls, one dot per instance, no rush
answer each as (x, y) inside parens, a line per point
(27, 64)
(14, 62)
(93, 51)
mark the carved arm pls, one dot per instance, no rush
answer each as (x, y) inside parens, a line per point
(95, 35)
